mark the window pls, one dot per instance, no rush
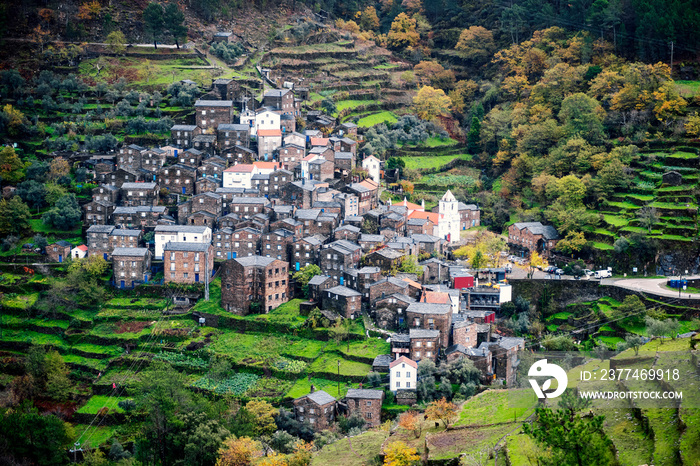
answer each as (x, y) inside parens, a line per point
(172, 256)
(369, 403)
(428, 354)
(408, 384)
(398, 373)
(417, 354)
(398, 384)
(418, 344)
(429, 344)
(408, 375)
(185, 275)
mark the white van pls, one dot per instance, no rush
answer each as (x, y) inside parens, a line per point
(602, 274)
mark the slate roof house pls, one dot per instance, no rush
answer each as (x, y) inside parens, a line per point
(533, 236)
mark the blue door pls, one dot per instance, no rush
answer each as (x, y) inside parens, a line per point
(297, 266)
(233, 254)
(184, 190)
(196, 278)
(145, 278)
(121, 284)
(342, 281)
(104, 256)
(228, 255)
(60, 258)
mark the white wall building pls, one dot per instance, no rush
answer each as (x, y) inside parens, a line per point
(239, 176)
(448, 222)
(372, 164)
(403, 374)
(180, 234)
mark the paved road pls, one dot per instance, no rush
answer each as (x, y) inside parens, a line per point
(649, 285)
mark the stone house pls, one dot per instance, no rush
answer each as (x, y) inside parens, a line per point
(139, 216)
(464, 333)
(153, 159)
(131, 266)
(205, 143)
(321, 169)
(290, 155)
(367, 194)
(361, 279)
(385, 258)
(419, 226)
(469, 216)
(212, 113)
(177, 179)
(505, 354)
(318, 286)
(230, 244)
(182, 135)
(130, 156)
(121, 176)
(317, 408)
(106, 193)
(347, 232)
(366, 402)
(348, 128)
(348, 145)
(306, 251)
(343, 300)
(227, 89)
(424, 344)
(232, 135)
(302, 194)
(222, 36)
(254, 284)
(125, 238)
(481, 357)
(139, 194)
(247, 207)
(431, 316)
(179, 234)
(187, 262)
(281, 100)
(672, 178)
(59, 251)
(98, 212)
(238, 155)
(206, 185)
(387, 286)
(344, 164)
(533, 236)
(390, 311)
(202, 218)
(339, 256)
(98, 240)
(191, 157)
(205, 202)
(277, 244)
(403, 374)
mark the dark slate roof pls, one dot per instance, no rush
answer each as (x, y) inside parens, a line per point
(320, 397)
(382, 360)
(124, 232)
(100, 229)
(276, 93)
(318, 279)
(204, 138)
(213, 103)
(341, 290)
(401, 338)
(139, 185)
(536, 228)
(130, 252)
(307, 214)
(64, 243)
(393, 280)
(422, 333)
(365, 394)
(429, 308)
(138, 209)
(233, 127)
(477, 352)
(180, 246)
(180, 228)
(368, 269)
(313, 240)
(421, 238)
(351, 228)
(364, 237)
(249, 200)
(183, 128)
(344, 155)
(255, 261)
(463, 206)
(283, 233)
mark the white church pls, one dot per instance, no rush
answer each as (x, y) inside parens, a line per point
(446, 220)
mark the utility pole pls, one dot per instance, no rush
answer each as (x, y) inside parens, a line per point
(671, 64)
(338, 378)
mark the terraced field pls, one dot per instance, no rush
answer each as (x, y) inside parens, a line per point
(676, 206)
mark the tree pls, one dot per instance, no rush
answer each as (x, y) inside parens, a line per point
(368, 19)
(573, 242)
(403, 32)
(430, 103)
(58, 385)
(40, 37)
(329, 106)
(406, 186)
(632, 341)
(174, 19)
(475, 44)
(426, 70)
(536, 261)
(478, 260)
(33, 438)
(58, 168)
(11, 167)
(648, 216)
(15, 121)
(571, 438)
(14, 217)
(583, 115)
(692, 126)
(400, 454)
(264, 414)
(474, 136)
(410, 420)
(238, 452)
(341, 331)
(40, 241)
(65, 214)
(153, 21)
(463, 371)
(442, 410)
(304, 275)
(116, 43)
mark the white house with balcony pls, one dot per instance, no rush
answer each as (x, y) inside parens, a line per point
(180, 234)
(403, 374)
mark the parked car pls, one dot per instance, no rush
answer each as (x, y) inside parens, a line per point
(559, 272)
(590, 273)
(603, 273)
(512, 258)
(550, 269)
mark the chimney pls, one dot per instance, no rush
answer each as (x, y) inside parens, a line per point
(313, 389)
(360, 385)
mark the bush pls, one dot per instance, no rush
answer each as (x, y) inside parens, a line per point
(354, 421)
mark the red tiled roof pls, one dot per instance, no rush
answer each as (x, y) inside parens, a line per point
(269, 132)
(319, 142)
(83, 248)
(404, 359)
(435, 297)
(432, 216)
(267, 165)
(241, 168)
